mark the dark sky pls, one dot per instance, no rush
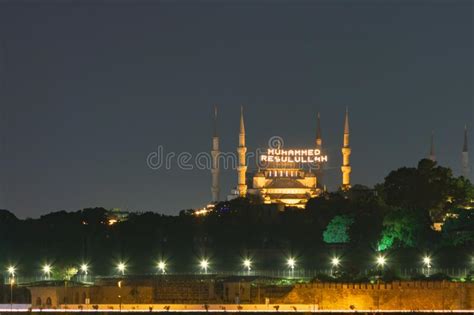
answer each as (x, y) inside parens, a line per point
(89, 90)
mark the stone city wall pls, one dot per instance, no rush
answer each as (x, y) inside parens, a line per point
(399, 295)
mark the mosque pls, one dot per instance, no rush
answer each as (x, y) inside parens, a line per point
(283, 176)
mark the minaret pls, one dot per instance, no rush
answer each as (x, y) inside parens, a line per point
(346, 152)
(319, 140)
(241, 151)
(215, 161)
(465, 157)
(319, 144)
(432, 155)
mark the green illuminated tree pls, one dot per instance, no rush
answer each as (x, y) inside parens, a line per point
(403, 228)
(337, 230)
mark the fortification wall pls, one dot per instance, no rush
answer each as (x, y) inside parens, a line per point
(401, 295)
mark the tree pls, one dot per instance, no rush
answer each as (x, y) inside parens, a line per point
(458, 229)
(337, 230)
(428, 187)
(403, 228)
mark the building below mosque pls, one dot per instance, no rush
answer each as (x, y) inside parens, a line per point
(286, 177)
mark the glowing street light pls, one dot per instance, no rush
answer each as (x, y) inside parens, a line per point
(85, 269)
(161, 266)
(121, 267)
(12, 282)
(247, 264)
(11, 271)
(291, 263)
(427, 263)
(335, 262)
(381, 261)
(47, 269)
(204, 263)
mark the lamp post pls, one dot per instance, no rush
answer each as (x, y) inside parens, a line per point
(381, 261)
(248, 265)
(12, 282)
(47, 269)
(122, 267)
(204, 265)
(119, 284)
(161, 266)
(291, 262)
(335, 262)
(427, 264)
(11, 272)
(85, 270)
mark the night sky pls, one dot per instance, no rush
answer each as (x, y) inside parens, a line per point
(89, 90)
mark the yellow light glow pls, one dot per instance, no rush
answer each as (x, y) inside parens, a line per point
(47, 269)
(85, 268)
(112, 221)
(121, 266)
(247, 264)
(11, 270)
(291, 263)
(427, 261)
(381, 260)
(162, 266)
(204, 264)
(335, 261)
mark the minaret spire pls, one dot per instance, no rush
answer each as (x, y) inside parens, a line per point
(319, 140)
(432, 155)
(215, 189)
(466, 170)
(319, 144)
(242, 150)
(346, 152)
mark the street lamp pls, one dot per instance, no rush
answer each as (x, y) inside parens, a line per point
(247, 264)
(291, 263)
(204, 265)
(12, 282)
(119, 284)
(47, 269)
(85, 269)
(335, 262)
(121, 267)
(427, 263)
(11, 271)
(381, 261)
(161, 266)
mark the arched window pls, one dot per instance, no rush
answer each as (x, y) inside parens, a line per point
(84, 296)
(38, 301)
(48, 301)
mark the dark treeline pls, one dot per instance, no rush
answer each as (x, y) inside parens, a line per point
(395, 217)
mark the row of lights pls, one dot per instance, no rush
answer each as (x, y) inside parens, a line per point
(204, 264)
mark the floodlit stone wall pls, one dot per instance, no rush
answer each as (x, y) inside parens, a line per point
(399, 295)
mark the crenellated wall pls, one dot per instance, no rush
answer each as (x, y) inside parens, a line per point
(399, 295)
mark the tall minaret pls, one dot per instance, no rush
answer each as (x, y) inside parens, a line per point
(346, 152)
(432, 155)
(466, 171)
(319, 146)
(319, 140)
(242, 150)
(215, 161)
